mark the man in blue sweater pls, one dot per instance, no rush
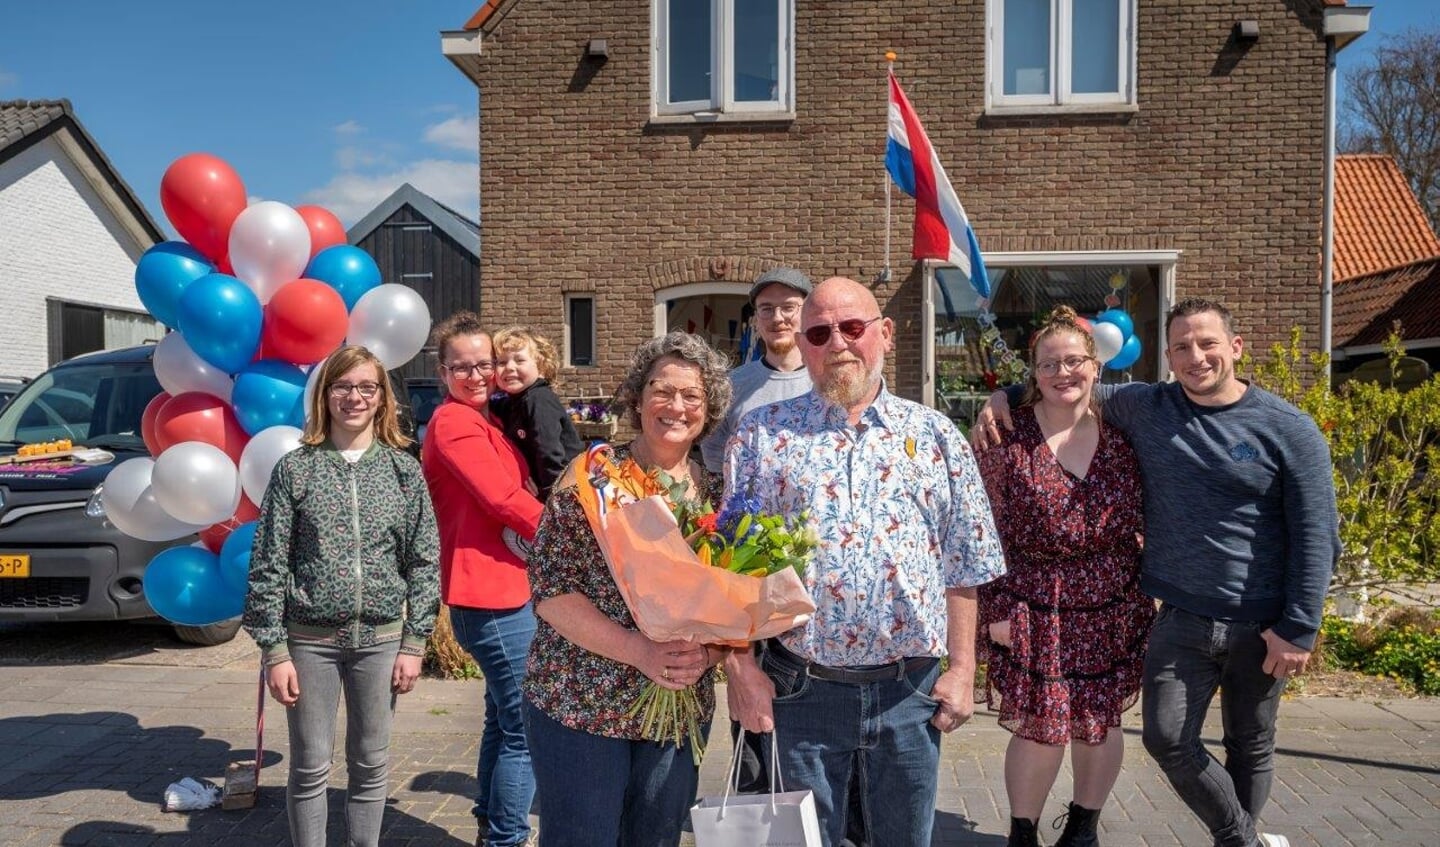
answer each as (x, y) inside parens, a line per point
(1241, 537)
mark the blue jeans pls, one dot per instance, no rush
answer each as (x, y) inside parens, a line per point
(499, 641)
(609, 792)
(363, 675)
(877, 732)
(1189, 657)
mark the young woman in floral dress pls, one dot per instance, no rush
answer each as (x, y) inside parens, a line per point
(1063, 633)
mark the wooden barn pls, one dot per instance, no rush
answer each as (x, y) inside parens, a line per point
(420, 242)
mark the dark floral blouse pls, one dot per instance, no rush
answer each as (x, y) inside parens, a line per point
(579, 689)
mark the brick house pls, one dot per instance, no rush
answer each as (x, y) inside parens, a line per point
(71, 233)
(643, 160)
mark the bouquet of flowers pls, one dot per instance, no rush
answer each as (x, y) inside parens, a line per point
(689, 573)
(592, 411)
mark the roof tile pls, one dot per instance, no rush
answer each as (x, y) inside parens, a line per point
(1379, 225)
(19, 118)
(1367, 307)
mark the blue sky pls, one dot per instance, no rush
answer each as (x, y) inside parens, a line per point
(311, 102)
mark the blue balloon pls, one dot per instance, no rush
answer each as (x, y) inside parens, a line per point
(183, 585)
(268, 393)
(235, 557)
(163, 274)
(1120, 319)
(349, 270)
(1129, 354)
(221, 319)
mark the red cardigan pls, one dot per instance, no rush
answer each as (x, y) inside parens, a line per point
(477, 481)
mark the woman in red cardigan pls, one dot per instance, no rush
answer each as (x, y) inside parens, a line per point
(478, 481)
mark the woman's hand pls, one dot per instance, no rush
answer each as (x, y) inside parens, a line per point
(1000, 633)
(407, 670)
(284, 683)
(670, 664)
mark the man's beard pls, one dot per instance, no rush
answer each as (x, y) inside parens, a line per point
(848, 387)
(780, 346)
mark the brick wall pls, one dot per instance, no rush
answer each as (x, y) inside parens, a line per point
(1223, 161)
(57, 239)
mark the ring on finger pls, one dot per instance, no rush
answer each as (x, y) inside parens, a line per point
(665, 672)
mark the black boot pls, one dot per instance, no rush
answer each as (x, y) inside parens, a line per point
(1080, 824)
(1023, 833)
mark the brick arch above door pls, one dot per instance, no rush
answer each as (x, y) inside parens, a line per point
(712, 268)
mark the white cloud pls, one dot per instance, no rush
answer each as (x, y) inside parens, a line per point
(461, 132)
(350, 127)
(8, 78)
(352, 195)
(352, 158)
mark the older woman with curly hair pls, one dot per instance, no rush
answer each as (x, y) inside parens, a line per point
(599, 782)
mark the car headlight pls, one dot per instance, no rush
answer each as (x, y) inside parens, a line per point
(95, 507)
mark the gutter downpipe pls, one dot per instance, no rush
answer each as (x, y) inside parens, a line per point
(1342, 24)
(1327, 216)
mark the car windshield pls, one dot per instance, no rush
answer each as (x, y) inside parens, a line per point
(91, 404)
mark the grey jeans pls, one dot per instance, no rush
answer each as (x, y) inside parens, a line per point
(363, 674)
(1189, 657)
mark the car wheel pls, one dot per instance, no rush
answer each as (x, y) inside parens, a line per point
(208, 636)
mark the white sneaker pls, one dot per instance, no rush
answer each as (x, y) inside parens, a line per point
(1268, 840)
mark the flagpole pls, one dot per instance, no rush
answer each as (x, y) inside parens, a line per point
(889, 70)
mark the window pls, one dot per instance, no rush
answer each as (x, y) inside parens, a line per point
(580, 331)
(1060, 54)
(722, 57)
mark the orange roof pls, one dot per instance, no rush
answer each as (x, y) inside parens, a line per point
(482, 14)
(1367, 307)
(1379, 225)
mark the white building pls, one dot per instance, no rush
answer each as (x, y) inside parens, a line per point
(71, 232)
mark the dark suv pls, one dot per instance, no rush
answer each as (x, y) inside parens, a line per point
(60, 559)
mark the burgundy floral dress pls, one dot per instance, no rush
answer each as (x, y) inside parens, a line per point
(1078, 622)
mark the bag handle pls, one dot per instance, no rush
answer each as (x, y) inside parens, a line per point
(776, 780)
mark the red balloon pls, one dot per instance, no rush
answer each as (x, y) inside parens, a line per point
(214, 536)
(147, 422)
(304, 321)
(325, 229)
(195, 416)
(202, 196)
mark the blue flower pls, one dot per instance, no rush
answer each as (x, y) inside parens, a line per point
(734, 509)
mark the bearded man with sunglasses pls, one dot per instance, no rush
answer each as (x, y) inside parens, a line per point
(893, 494)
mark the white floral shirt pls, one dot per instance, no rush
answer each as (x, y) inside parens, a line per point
(900, 511)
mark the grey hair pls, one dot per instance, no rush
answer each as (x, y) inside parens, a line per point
(691, 349)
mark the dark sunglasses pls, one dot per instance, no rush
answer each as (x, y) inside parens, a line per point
(851, 329)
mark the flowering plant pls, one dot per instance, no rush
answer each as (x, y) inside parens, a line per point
(740, 539)
(584, 411)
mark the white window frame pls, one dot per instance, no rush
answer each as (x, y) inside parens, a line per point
(1060, 98)
(1165, 295)
(594, 332)
(722, 105)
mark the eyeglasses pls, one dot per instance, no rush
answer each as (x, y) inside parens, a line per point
(463, 371)
(785, 310)
(851, 329)
(341, 390)
(1051, 367)
(663, 394)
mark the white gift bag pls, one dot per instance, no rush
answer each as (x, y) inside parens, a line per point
(783, 819)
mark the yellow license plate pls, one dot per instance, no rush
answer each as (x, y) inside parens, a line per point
(14, 565)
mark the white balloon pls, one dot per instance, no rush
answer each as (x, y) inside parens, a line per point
(131, 506)
(196, 482)
(261, 454)
(311, 380)
(391, 321)
(180, 370)
(1108, 340)
(269, 246)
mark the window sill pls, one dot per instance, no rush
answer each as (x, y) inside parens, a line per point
(722, 118)
(1065, 109)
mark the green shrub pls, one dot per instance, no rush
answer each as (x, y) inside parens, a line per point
(1404, 645)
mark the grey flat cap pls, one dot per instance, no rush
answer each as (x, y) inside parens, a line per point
(788, 277)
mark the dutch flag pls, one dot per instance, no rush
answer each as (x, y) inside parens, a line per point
(941, 226)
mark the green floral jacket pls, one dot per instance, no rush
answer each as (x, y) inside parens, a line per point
(345, 554)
